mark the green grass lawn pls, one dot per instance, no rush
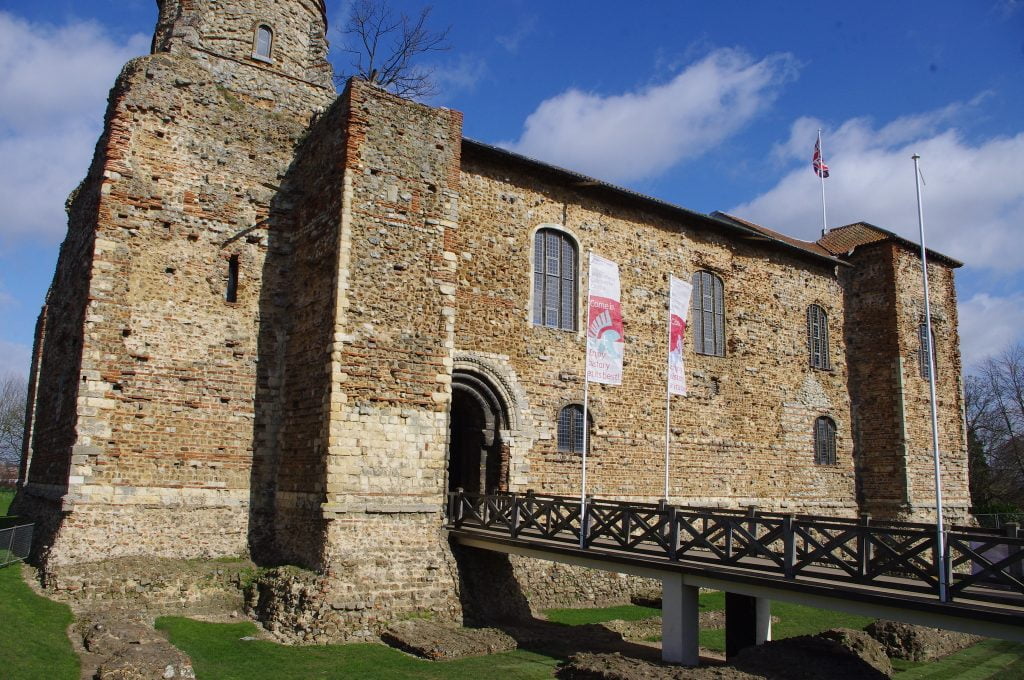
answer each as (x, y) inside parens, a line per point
(793, 619)
(33, 643)
(219, 653)
(6, 496)
(989, 659)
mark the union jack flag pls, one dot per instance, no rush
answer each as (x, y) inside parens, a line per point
(820, 169)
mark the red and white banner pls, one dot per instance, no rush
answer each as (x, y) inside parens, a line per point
(678, 307)
(605, 337)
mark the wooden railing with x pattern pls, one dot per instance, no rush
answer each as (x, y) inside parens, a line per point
(983, 565)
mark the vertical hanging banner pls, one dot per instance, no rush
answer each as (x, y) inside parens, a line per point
(605, 337)
(678, 307)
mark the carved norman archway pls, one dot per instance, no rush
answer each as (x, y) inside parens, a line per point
(478, 459)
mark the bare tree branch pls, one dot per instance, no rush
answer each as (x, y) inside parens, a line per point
(13, 392)
(385, 48)
(994, 401)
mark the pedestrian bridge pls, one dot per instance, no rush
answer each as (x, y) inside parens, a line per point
(874, 568)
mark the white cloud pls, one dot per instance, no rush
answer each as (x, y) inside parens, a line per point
(53, 88)
(459, 74)
(973, 198)
(639, 134)
(14, 358)
(524, 29)
(988, 325)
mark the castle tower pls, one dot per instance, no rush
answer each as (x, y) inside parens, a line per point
(888, 359)
(144, 437)
(287, 38)
(228, 362)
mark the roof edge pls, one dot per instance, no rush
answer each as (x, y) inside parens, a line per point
(907, 243)
(580, 181)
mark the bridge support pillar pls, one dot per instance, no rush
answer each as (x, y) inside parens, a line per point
(680, 621)
(748, 622)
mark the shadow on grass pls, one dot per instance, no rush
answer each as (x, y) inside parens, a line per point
(221, 651)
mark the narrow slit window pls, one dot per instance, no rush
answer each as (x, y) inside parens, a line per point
(264, 43)
(924, 352)
(708, 314)
(231, 294)
(817, 337)
(825, 441)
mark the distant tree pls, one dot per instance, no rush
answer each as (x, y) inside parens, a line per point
(994, 401)
(977, 407)
(385, 46)
(13, 392)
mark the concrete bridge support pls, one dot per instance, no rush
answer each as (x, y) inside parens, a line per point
(748, 622)
(680, 621)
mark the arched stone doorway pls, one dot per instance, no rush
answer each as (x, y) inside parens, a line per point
(477, 457)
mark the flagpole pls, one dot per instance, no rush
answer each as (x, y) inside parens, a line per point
(821, 176)
(586, 404)
(940, 535)
(668, 389)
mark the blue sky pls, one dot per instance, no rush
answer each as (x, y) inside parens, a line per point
(713, 106)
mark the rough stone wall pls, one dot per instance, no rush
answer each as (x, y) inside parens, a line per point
(547, 585)
(392, 354)
(743, 435)
(154, 585)
(308, 290)
(885, 306)
(222, 34)
(876, 376)
(948, 384)
(162, 426)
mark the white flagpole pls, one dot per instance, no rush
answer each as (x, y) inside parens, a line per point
(931, 386)
(821, 176)
(668, 388)
(586, 404)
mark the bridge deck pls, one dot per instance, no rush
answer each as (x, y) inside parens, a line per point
(884, 570)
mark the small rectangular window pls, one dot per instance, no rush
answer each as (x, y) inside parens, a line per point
(264, 43)
(924, 351)
(231, 294)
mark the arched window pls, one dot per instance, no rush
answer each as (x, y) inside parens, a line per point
(570, 429)
(924, 353)
(708, 314)
(825, 441)
(554, 279)
(817, 337)
(264, 42)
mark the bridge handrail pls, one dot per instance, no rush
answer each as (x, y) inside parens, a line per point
(981, 564)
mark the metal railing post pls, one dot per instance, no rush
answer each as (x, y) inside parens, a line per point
(514, 528)
(940, 555)
(459, 505)
(789, 545)
(585, 521)
(673, 533)
(1012, 530)
(10, 547)
(864, 546)
(627, 523)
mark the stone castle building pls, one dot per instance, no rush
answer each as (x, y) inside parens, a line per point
(284, 323)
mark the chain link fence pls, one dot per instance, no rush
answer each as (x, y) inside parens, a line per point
(1000, 520)
(15, 543)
